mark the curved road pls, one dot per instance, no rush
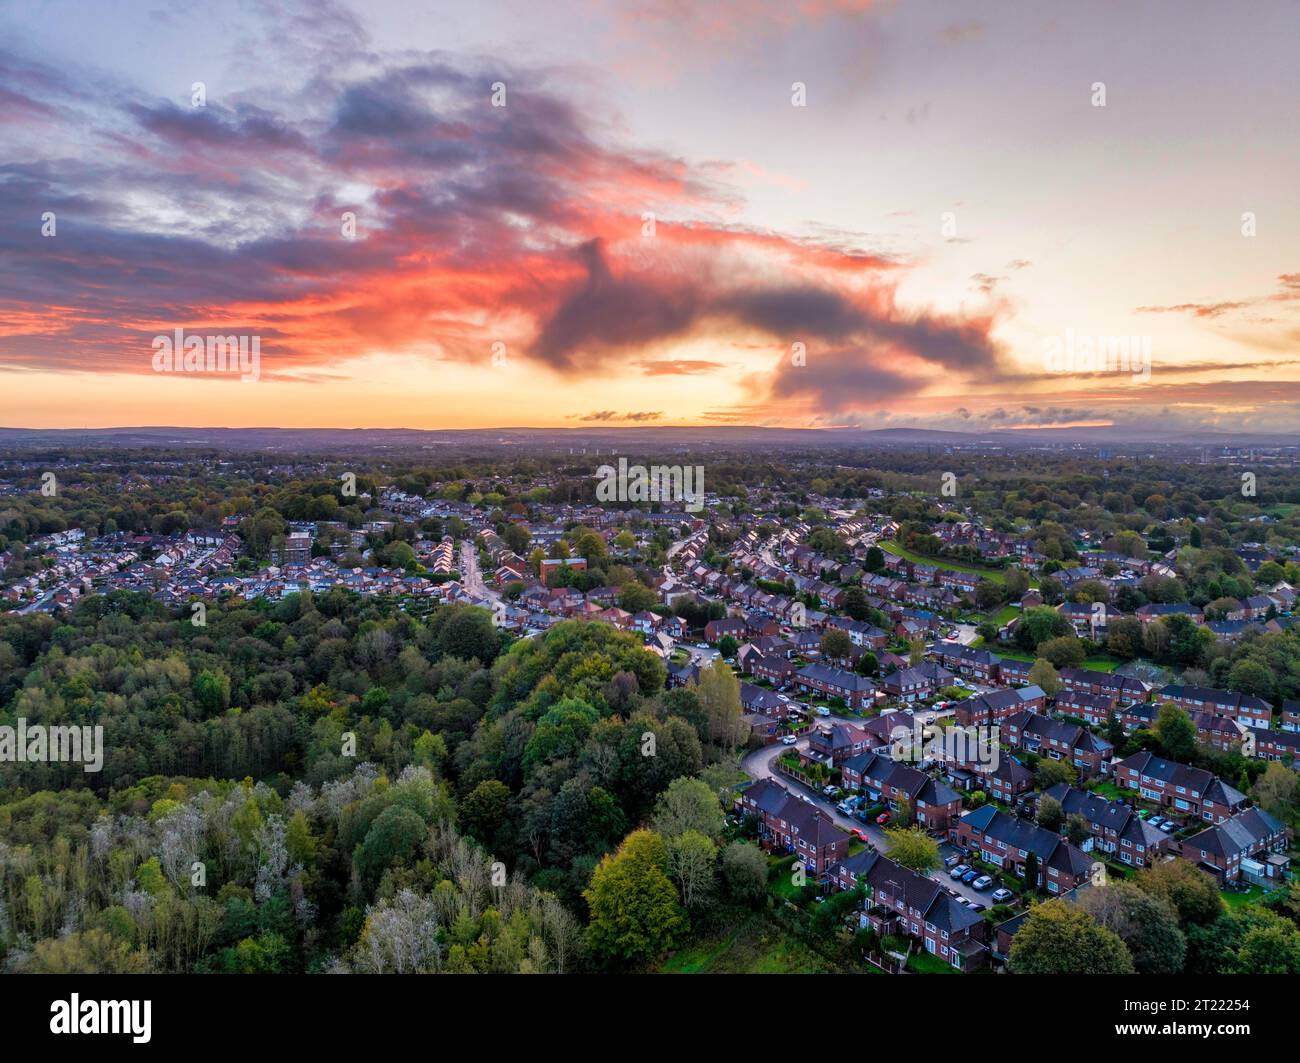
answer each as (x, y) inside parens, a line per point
(758, 765)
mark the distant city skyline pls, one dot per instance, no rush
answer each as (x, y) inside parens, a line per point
(825, 213)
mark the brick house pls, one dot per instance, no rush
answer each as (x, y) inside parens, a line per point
(856, 690)
(1122, 689)
(1246, 709)
(1274, 745)
(1192, 791)
(1225, 849)
(1218, 732)
(834, 743)
(776, 670)
(1114, 826)
(965, 660)
(1094, 709)
(795, 825)
(716, 630)
(1006, 842)
(933, 804)
(904, 903)
(989, 710)
(1057, 740)
(1012, 671)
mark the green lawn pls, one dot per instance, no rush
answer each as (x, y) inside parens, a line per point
(1109, 791)
(1234, 899)
(754, 946)
(997, 575)
(1096, 664)
(924, 963)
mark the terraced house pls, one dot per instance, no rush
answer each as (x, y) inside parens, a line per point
(1058, 740)
(1246, 709)
(795, 825)
(1006, 842)
(1192, 791)
(933, 804)
(989, 710)
(1114, 827)
(1233, 849)
(904, 903)
(856, 690)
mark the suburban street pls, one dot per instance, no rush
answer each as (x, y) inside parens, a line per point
(758, 765)
(471, 577)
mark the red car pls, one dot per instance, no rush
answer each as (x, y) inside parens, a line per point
(858, 833)
(883, 818)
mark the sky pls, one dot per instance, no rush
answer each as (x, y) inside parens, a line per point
(805, 213)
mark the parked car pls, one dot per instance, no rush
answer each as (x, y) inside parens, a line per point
(951, 861)
(1002, 894)
(1168, 826)
(860, 834)
(831, 790)
(958, 871)
(975, 906)
(1155, 821)
(982, 883)
(822, 710)
(970, 876)
(883, 818)
(790, 740)
(964, 902)
(1143, 813)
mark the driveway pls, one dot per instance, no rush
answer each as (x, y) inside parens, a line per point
(758, 765)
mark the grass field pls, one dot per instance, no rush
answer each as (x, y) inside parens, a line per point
(1096, 664)
(924, 963)
(997, 575)
(754, 946)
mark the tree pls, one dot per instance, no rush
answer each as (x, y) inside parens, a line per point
(468, 633)
(689, 805)
(875, 559)
(718, 691)
(691, 865)
(1054, 772)
(868, 663)
(855, 604)
(484, 808)
(913, 848)
(727, 646)
(1064, 652)
(1145, 923)
(744, 871)
(1061, 938)
(1044, 674)
(1050, 813)
(836, 644)
(1275, 790)
(517, 537)
(636, 597)
(635, 916)
(1175, 732)
(1251, 677)
(1076, 829)
(989, 595)
(393, 836)
(1187, 889)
